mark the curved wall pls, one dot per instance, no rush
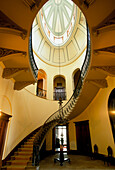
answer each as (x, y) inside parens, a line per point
(66, 71)
(99, 123)
(28, 112)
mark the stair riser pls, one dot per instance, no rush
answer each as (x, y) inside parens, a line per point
(28, 143)
(26, 154)
(25, 149)
(15, 168)
(27, 146)
(30, 140)
(21, 158)
(19, 163)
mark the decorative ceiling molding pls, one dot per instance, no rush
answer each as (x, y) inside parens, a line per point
(11, 72)
(86, 3)
(109, 70)
(101, 83)
(6, 22)
(5, 52)
(110, 49)
(29, 3)
(19, 85)
(32, 3)
(108, 24)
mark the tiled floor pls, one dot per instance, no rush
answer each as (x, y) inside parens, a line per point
(77, 162)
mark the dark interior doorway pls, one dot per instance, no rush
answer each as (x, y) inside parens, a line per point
(83, 137)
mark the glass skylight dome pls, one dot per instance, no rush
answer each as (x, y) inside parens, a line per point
(59, 34)
(57, 19)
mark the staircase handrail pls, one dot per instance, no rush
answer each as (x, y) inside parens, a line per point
(32, 61)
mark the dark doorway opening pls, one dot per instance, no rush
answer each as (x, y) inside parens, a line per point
(83, 137)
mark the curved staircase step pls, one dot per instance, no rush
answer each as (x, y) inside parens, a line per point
(25, 149)
(20, 157)
(18, 162)
(13, 167)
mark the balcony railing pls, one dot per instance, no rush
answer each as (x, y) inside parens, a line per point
(57, 95)
(41, 93)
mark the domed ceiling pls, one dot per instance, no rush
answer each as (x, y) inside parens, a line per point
(57, 18)
(59, 33)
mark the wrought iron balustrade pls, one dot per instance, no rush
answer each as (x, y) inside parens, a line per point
(41, 93)
(32, 61)
(57, 95)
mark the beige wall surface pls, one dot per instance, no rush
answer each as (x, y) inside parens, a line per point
(49, 140)
(99, 123)
(28, 112)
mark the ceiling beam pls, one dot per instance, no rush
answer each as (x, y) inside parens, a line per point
(109, 70)
(101, 83)
(5, 52)
(110, 49)
(6, 22)
(11, 72)
(108, 24)
(19, 85)
(86, 3)
(32, 3)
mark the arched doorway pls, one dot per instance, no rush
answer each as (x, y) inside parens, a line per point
(76, 76)
(59, 88)
(41, 90)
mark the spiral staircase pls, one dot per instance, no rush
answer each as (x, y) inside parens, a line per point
(102, 53)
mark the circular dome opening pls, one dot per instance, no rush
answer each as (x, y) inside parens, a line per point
(59, 33)
(58, 18)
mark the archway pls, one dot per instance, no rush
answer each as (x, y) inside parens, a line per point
(41, 90)
(59, 88)
(76, 76)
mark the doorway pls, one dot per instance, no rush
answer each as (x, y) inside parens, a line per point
(59, 88)
(60, 137)
(83, 137)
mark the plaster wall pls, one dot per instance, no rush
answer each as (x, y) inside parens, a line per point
(99, 123)
(28, 112)
(66, 71)
(49, 140)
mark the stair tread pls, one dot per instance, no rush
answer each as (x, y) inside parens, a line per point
(20, 156)
(26, 145)
(24, 151)
(17, 160)
(17, 166)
